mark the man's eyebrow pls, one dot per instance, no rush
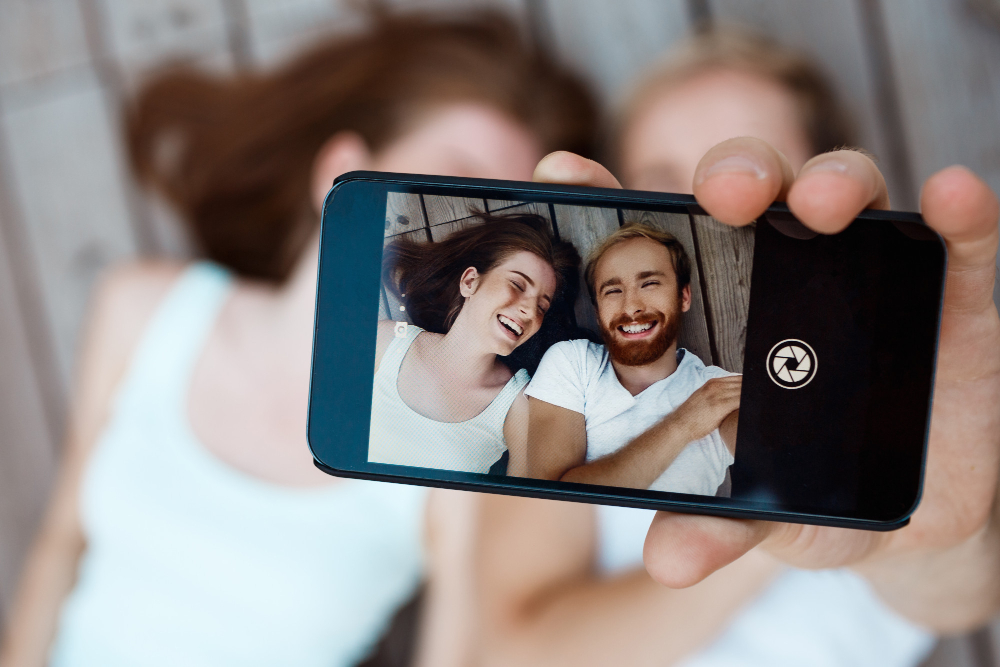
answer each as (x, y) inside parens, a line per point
(609, 282)
(649, 274)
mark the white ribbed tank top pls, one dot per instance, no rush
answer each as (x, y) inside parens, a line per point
(191, 562)
(402, 436)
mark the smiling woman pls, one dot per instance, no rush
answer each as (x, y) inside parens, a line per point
(448, 389)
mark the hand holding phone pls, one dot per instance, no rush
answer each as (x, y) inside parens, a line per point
(941, 568)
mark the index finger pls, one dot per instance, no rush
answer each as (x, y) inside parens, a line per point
(568, 168)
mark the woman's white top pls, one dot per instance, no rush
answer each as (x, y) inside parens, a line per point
(402, 436)
(824, 618)
(191, 562)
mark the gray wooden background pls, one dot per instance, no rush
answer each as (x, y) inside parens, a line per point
(715, 327)
(922, 78)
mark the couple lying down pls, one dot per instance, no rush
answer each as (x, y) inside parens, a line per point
(637, 411)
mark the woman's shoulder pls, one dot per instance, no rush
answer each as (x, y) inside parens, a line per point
(121, 306)
(126, 297)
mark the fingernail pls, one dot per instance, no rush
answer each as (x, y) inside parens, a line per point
(835, 166)
(734, 164)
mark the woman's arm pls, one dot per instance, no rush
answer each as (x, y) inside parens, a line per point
(121, 308)
(543, 603)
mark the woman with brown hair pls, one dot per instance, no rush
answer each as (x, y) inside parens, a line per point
(443, 397)
(189, 525)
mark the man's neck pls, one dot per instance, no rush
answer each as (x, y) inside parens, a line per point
(637, 379)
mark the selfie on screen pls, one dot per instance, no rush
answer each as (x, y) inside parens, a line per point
(612, 336)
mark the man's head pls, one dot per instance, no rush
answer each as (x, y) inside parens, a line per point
(638, 279)
(716, 86)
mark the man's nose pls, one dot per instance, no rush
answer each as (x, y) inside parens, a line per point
(633, 303)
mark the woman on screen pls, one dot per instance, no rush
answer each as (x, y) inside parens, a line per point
(444, 395)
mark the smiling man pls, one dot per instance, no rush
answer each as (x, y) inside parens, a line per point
(636, 412)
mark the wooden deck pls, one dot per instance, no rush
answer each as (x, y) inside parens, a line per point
(921, 77)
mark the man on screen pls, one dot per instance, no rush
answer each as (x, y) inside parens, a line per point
(636, 412)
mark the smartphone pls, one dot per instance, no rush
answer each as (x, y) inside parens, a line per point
(625, 348)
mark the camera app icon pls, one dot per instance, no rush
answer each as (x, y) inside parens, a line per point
(791, 364)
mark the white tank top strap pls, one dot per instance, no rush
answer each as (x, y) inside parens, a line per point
(176, 335)
(496, 412)
(392, 358)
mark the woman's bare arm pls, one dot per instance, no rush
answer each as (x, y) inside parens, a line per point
(543, 603)
(121, 308)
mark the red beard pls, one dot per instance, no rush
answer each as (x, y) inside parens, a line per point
(641, 352)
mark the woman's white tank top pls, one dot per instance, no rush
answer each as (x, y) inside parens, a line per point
(191, 562)
(402, 436)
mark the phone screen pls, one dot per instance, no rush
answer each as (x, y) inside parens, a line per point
(640, 353)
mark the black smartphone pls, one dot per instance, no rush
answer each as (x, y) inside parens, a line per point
(623, 347)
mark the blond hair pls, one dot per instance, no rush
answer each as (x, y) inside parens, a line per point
(634, 230)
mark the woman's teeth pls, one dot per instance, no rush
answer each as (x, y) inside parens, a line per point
(510, 324)
(637, 328)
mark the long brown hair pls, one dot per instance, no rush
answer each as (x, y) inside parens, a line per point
(234, 156)
(425, 276)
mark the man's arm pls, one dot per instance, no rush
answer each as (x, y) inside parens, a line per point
(644, 458)
(542, 602)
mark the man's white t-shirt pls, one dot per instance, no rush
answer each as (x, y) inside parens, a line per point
(578, 375)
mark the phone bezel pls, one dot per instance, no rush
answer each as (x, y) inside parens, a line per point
(364, 248)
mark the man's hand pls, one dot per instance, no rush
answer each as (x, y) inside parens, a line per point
(708, 406)
(942, 569)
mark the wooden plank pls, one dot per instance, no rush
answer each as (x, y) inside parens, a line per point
(40, 37)
(493, 205)
(611, 42)
(443, 230)
(726, 260)
(694, 327)
(833, 34)
(67, 175)
(585, 227)
(947, 66)
(535, 208)
(403, 213)
(445, 209)
(141, 36)
(27, 447)
(276, 31)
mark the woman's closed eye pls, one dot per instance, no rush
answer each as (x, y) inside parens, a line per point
(518, 285)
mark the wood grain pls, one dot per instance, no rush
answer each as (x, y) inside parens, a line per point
(66, 173)
(27, 446)
(830, 32)
(276, 31)
(445, 209)
(39, 38)
(947, 64)
(610, 42)
(403, 213)
(585, 227)
(694, 327)
(726, 259)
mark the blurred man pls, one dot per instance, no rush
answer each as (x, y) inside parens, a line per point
(733, 120)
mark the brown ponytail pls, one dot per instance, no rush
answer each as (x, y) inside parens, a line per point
(234, 155)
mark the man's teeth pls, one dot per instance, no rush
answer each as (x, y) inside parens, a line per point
(637, 328)
(511, 324)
